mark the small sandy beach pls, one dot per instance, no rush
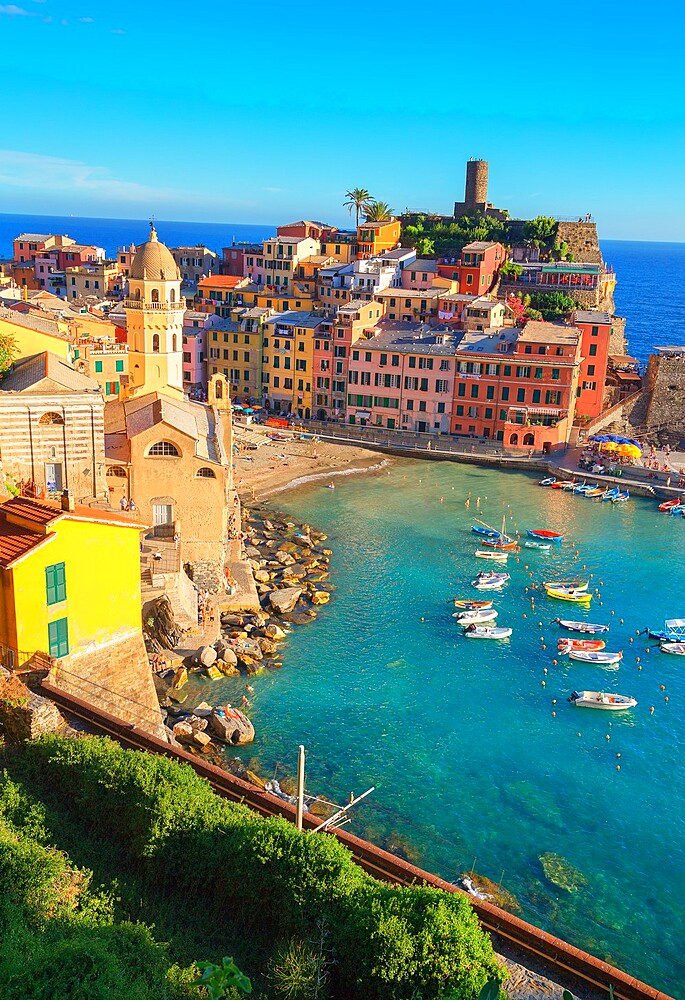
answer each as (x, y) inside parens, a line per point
(276, 465)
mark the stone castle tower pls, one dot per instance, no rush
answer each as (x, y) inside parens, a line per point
(476, 193)
(154, 315)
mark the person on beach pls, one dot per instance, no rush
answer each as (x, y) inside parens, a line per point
(124, 503)
(132, 505)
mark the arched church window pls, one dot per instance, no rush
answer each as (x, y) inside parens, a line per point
(172, 295)
(155, 343)
(51, 418)
(166, 448)
(218, 389)
(136, 295)
(154, 294)
(205, 473)
(173, 342)
(116, 471)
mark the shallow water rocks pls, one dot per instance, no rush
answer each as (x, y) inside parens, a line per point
(283, 601)
(320, 597)
(561, 872)
(232, 726)
(284, 558)
(262, 576)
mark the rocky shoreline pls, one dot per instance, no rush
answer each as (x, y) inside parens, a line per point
(290, 563)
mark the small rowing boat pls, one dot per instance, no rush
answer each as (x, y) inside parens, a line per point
(490, 581)
(598, 699)
(598, 491)
(543, 535)
(484, 632)
(599, 657)
(563, 484)
(468, 605)
(575, 596)
(504, 544)
(667, 504)
(550, 481)
(567, 584)
(479, 617)
(621, 497)
(565, 645)
(486, 532)
(677, 648)
(538, 545)
(485, 554)
(589, 628)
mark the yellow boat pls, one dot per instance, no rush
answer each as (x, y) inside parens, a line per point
(575, 596)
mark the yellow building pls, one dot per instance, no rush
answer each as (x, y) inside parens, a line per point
(154, 316)
(288, 361)
(70, 589)
(34, 334)
(376, 237)
(341, 245)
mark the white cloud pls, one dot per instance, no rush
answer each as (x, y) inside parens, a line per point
(118, 31)
(86, 20)
(11, 10)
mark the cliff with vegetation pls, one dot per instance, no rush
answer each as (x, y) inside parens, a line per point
(105, 853)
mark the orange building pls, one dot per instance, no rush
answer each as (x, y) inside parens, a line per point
(376, 237)
(518, 386)
(216, 293)
(595, 329)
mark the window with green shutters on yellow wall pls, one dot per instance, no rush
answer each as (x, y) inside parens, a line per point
(55, 583)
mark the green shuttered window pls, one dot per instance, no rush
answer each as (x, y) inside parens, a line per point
(58, 637)
(55, 583)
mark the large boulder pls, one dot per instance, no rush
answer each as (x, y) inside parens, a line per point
(228, 657)
(232, 726)
(262, 576)
(248, 648)
(206, 655)
(284, 558)
(274, 632)
(296, 572)
(285, 600)
(320, 597)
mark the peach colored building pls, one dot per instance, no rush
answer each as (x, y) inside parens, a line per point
(333, 346)
(403, 379)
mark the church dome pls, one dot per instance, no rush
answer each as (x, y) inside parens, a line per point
(154, 261)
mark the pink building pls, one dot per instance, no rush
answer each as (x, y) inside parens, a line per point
(403, 379)
(419, 274)
(195, 326)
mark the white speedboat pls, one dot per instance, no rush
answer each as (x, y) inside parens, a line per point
(677, 648)
(602, 700)
(589, 628)
(490, 554)
(487, 632)
(475, 617)
(488, 584)
(600, 657)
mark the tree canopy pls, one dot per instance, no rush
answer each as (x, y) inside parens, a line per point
(378, 211)
(358, 201)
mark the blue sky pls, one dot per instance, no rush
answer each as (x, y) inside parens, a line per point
(264, 112)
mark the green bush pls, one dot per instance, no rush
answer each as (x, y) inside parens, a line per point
(219, 865)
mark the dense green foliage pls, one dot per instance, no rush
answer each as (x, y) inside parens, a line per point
(552, 305)
(8, 351)
(540, 232)
(377, 211)
(449, 238)
(214, 879)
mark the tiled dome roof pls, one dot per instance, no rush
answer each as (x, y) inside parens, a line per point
(154, 261)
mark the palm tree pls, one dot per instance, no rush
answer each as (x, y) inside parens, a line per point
(358, 201)
(378, 211)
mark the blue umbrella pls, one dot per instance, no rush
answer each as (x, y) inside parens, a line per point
(600, 437)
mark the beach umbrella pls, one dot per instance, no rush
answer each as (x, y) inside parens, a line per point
(610, 446)
(599, 437)
(629, 450)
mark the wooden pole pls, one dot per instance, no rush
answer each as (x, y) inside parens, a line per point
(300, 788)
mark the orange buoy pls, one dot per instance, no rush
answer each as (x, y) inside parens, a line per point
(544, 670)
(554, 715)
(554, 662)
(543, 684)
(607, 737)
(618, 767)
(666, 698)
(663, 687)
(651, 711)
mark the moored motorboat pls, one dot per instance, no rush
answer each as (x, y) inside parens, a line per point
(599, 657)
(504, 544)
(544, 535)
(567, 584)
(486, 554)
(485, 632)
(550, 481)
(589, 628)
(598, 491)
(676, 648)
(545, 546)
(468, 605)
(566, 644)
(479, 617)
(563, 484)
(582, 487)
(575, 596)
(673, 631)
(490, 581)
(678, 509)
(621, 497)
(599, 699)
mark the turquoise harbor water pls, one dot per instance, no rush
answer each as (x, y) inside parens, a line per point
(458, 735)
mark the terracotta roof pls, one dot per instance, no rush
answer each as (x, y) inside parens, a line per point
(16, 541)
(44, 512)
(221, 281)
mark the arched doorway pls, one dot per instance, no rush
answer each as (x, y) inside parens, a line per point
(529, 439)
(514, 439)
(320, 414)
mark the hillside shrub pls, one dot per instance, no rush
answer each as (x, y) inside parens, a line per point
(227, 867)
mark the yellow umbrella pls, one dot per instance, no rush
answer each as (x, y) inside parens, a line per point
(629, 450)
(608, 445)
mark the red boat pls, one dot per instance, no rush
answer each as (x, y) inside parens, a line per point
(508, 546)
(566, 645)
(544, 534)
(560, 483)
(667, 504)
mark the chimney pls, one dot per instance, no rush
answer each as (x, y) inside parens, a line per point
(67, 501)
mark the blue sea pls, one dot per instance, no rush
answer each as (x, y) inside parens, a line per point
(471, 765)
(650, 275)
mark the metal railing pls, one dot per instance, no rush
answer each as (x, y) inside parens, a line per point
(143, 304)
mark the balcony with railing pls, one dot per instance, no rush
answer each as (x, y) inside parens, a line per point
(145, 305)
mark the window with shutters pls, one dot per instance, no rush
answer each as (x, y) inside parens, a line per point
(58, 638)
(55, 583)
